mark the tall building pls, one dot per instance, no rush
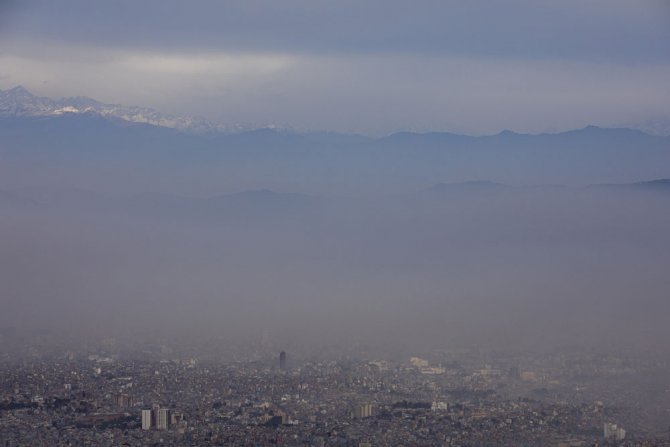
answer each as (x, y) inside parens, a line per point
(124, 400)
(146, 419)
(282, 360)
(611, 431)
(363, 411)
(154, 414)
(158, 418)
(163, 419)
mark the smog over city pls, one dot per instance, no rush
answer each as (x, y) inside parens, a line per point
(335, 223)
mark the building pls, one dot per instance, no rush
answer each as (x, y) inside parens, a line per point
(611, 431)
(363, 411)
(176, 418)
(154, 414)
(282, 360)
(146, 420)
(163, 419)
(159, 418)
(432, 370)
(418, 362)
(124, 400)
(438, 405)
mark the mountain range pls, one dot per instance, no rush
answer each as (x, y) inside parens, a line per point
(79, 142)
(19, 102)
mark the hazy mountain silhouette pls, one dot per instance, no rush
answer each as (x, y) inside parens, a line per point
(44, 146)
(658, 185)
(471, 186)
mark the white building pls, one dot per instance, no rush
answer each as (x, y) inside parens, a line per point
(158, 418)
(146, 419)
(611, 431)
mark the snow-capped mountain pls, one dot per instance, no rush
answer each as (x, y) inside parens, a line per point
(19, 102)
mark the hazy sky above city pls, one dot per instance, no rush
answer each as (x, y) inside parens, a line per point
(370, 67)
(107, 226)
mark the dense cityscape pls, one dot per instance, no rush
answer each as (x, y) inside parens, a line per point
(464, 397)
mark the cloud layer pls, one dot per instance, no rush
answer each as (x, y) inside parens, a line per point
(370, 67)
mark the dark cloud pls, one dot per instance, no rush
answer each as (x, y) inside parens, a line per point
(6, 9)
(605, 30)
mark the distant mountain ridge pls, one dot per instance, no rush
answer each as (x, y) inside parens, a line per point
(485, 186)
(650, 185)
(19, 102)
(266, 198)
(470, 186)
(80, 142)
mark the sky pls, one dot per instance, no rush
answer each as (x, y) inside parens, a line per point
(370, 67)
(106, 228)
